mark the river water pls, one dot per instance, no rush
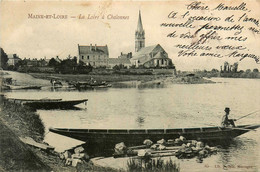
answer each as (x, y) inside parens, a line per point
(168, 106)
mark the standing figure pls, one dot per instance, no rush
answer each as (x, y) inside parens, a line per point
(225, 121)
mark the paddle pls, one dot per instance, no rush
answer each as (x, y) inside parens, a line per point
(247, 115)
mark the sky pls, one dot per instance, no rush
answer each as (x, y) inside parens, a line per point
(39, 38)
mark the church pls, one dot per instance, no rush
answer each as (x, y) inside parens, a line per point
(151, 56)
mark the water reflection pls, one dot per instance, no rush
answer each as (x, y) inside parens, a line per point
(231, 151)
(139, 84)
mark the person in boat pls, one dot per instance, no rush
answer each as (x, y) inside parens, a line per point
(227, 122)
(92, 81)
(53, 82)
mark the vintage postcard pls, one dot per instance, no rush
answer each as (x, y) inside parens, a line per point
(130, 85)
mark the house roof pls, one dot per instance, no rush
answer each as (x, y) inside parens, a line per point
(119, 61)
(92, 49)
(12, 56)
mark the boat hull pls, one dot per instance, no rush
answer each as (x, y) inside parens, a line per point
(53, 104)
(136, 137)
(48, 103)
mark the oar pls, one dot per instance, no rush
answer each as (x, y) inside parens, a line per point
(247, 115)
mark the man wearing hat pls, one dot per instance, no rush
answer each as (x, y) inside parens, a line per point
(225, 121)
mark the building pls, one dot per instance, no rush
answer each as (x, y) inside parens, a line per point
(128, 55)
(139, 35)
(13, 59)
(95, 56)
(119, 61)
(151, 56)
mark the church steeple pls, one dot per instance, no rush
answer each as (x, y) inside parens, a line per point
(139, 35)
(139, 24)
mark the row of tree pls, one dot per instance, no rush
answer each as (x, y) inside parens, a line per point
(248, 73)
(66, 66)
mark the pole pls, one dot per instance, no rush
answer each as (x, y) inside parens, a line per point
(247, 115)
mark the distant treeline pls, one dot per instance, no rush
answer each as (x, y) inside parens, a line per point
(229, 74)
(55, 65)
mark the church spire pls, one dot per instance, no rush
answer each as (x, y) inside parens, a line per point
(139, 34)
(139, 24)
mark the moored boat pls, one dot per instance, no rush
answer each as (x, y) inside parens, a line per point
(20, 87)
(90, 85)
(48, 103)
(137, 136)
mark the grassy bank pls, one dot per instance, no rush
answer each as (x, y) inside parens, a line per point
(17, 121)
(23, 121)
(15, 155)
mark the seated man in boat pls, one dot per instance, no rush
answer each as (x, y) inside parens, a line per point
(225, 121)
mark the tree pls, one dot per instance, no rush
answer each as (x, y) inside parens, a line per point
(248, 70)
(171, 65)
(235, 66)
(53, 63)
(226, 66)
(214, 70)
(118, 67)
(68, 66)
(3, 59)
(255, 70)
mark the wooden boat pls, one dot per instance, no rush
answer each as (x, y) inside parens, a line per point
(89, 85)
(20, 87)
(137, 136)
(48, 103)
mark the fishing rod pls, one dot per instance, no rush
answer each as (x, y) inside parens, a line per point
(247, 115)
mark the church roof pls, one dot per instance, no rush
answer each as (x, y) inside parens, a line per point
(144, 50)
(147, 53)
(139, 24)
(159, 55)
(92, 49)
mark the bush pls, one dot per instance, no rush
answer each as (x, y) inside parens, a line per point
(118, 67)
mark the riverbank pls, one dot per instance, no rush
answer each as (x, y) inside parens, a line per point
(116, 78)
(16, 122)
(99, 78)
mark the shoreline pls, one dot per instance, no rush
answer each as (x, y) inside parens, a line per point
(17, 121)
(119, 78)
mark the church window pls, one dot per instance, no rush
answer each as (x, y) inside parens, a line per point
(82, 57)
(162, 61)
(88, 57)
